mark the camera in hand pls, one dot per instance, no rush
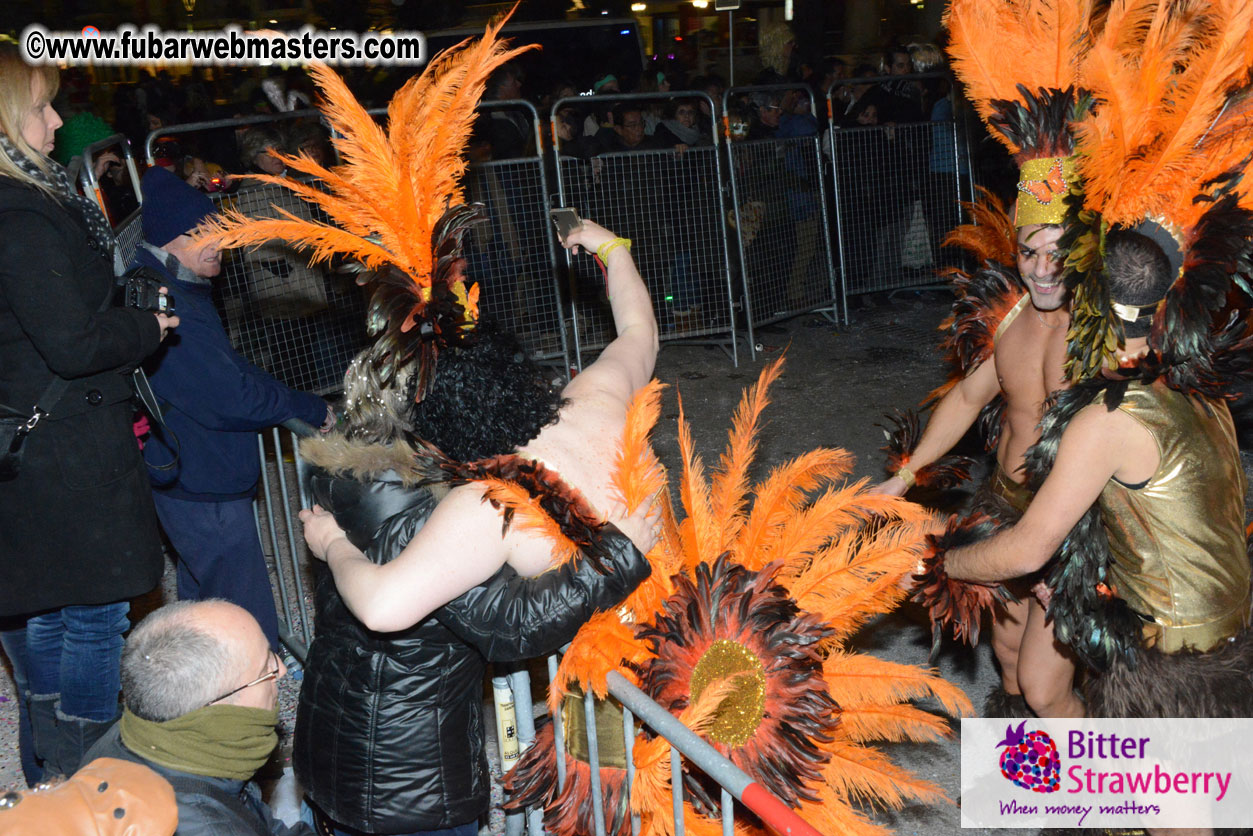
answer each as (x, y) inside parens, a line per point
(143, 293)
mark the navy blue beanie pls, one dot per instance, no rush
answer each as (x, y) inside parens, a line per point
(171, 207)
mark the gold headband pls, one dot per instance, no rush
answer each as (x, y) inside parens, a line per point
(1130, 313)
(1042, 190)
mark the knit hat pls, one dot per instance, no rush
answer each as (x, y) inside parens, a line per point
(171, 207)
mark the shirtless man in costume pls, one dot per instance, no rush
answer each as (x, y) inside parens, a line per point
(1028, 100)
(1164, 470)
(580, 446)
(1026, 365)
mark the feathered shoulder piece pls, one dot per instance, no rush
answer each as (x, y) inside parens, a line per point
(1003, 49)
(1167, 151)
(984, 297)
(1086, 615)
(395, 201)
(528, 494)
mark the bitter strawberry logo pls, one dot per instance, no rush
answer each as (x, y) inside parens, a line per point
(1030, 759)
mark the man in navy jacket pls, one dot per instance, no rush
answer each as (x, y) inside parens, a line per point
(214, 402)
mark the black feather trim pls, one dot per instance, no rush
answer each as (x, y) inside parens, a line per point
(1039, 124)
(960, 604)
(1098, 626)
(902, 437)
(577, 519)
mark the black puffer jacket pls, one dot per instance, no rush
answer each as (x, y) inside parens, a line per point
(389, 730)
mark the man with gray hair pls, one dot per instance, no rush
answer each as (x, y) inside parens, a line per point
(200, 693)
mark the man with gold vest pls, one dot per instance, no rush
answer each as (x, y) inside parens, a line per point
(1152, 586)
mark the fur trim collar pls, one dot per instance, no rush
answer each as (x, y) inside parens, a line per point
(364, 460)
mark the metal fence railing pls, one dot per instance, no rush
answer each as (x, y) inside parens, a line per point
(778, 189)
(900, 164)
(512, 255)
(736, 785)
(669, 203)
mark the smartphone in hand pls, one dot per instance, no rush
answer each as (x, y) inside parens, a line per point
(566, 219)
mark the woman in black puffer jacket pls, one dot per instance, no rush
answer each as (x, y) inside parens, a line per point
(389, 730)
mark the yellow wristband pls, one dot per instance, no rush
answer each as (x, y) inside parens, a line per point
(603, 251)
(907, 476)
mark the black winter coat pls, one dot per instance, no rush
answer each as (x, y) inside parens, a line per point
(77, 525)
(207, 806)
(389, 729)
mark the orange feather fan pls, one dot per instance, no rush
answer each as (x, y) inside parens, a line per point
(392, 188)
(396, 206)
(740, 633)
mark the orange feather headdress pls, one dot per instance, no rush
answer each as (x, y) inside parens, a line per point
(1165, 152)
(742, 632)
(396, 203)
(1018, 60)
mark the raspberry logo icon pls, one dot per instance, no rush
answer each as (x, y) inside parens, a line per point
(1030, 759)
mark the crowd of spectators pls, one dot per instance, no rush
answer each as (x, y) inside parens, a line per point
(679, 110)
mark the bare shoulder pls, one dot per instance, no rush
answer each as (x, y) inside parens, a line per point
(603, 386)
(1099, 433)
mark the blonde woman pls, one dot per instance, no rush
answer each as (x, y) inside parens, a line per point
(78, 534)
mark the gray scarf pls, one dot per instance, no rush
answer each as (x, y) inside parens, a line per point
(56, 179)
(686, 135)
(176, 268)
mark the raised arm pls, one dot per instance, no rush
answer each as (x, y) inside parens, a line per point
(626, 364)
(952, 417)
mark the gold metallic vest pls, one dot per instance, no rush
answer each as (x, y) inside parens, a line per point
(1178, 543)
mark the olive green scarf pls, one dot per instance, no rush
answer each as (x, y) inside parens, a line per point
(220, 741)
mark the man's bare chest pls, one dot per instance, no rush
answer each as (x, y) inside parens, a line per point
(1030, 359)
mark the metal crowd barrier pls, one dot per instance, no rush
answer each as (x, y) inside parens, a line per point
(897, 186)
(779, 198)
(280, 497)
(670, 205)
(737, 785)
(235, 123)
(512, 255)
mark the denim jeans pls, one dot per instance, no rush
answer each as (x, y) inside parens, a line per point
(13, 638)
(77, 652)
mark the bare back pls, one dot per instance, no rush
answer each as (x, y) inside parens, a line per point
(461, 544)
(580, 447)
(1029, 356)
(582, 444)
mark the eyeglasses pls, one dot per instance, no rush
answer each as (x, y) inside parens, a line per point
(266, 677)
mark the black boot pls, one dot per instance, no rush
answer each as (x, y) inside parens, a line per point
(1001, 703)
(43, 727)
(75, 736)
